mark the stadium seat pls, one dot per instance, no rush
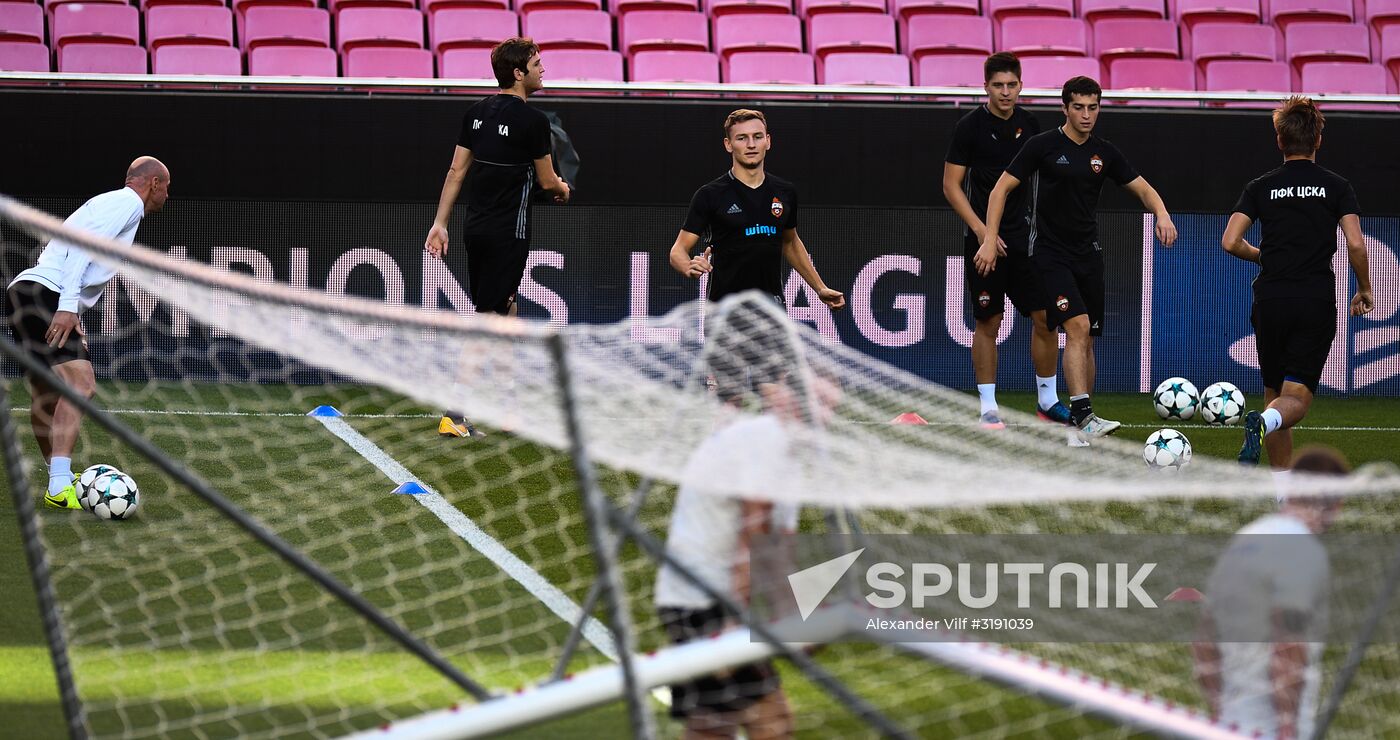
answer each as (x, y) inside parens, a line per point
(1120, 39)
(1051, 72)
(469, 64)
(1094, 11)
(622, 7)
(570, 29)
(853, 32)
(584, 64)
(939, 34)
(100, 23)
(1249, 76)
(721, 8)
(21, 22)
(466, 28)
(863, 68)
(196, 59)
(241, 7)
(432, 6)
(662, 30)
(1379, 15)
(808, 8)
(770, 68)
(1027, 37)
(953, 70)
(675, 66)
(1284, 13)
(372, 61)
(24, 56)
(526, 7)
(906, 9)
(740, 33)
(1209, 42)
(1191, 12)
(1325, 42)
(50, 5)
(148, 4)
(188, 25)
(121, 59)
(1351, 79)
(286, 26)
(1390, 50)
(1152, 74)
(335, 6)
(378, 27)
(292, 61)
(1000, 10)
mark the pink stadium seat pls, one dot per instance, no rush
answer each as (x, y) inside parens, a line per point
(466, 28)
(1381, 14)
(809, 8)
(148, 4)
(570, 29)
(1152, 74)
(1094, 11)
(864, 68)
(49, 5)
(1211, 41)
(1045, 37)
(853, 32)
(1347, 77)
(1390, 50)
(433, 6)
(286, 26)
(292, 61)
(335, 6)
(196, 59)
(1117, 39)
(739, 33)
(530, 6)
(22, 22)
(378, 27)
(720, 8)
(241, 7)
(675, 66)
(1051, 72)
(770, 68)
(469, 64)
(1000, 10)
(121, 59)
(1191, 12)
(24, 56)
(940, 34)
(584, 64)
(188, 25)
(620, 7)
(1248, 76)
(372, 61)
(1284, 13)
(906, 9)
(1325, 42)
(949, 71)
(99, 23)
(663, 30)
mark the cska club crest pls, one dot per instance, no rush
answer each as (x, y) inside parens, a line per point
(1096, 162)
(983, 299)
(1062, 303)
(777, 208)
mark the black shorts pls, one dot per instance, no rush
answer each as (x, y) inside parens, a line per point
(1073, 287)
(747, 347)
(731, 691)
(495, 265)
(29, 309)
(1015, 276)
(1293, 337)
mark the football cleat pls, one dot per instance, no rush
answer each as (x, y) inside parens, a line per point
(1253, 446)
(66, 499)
(1057, 414)
(1093, 427)
(449, 427)
(992, 420)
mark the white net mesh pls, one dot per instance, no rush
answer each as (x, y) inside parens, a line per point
(179, 623)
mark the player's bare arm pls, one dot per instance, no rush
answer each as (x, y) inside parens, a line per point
(1288, 658)
(992, 245)
(1152, 201)
(1205, 654)
(795, 252)
(550, 180)
(755, 520)
(1362, 302)
(1233, 241)
(682, 262)
(436, 243)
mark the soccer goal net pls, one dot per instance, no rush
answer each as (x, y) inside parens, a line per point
(310, 556)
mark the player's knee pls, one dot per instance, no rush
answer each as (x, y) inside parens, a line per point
(1077, 329)
(990, 325)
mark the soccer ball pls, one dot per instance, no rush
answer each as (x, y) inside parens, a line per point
(1176, 398)
(1167, 449)
(1222, 403)
(84, 482)
(113, 495)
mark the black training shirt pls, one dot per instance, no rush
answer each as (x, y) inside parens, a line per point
(745, 227)
(1065, 179)
(505, 137)
(985, 145)
(1298, 205)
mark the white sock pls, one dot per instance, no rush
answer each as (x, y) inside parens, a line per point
(60, 474)
(1281, 485)
(1046, 394)
(988, 393)
(1272, 420)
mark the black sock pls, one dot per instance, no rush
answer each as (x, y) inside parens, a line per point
(1080, 409)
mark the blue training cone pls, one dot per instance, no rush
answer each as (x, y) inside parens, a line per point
(324, 411)
(411, 488)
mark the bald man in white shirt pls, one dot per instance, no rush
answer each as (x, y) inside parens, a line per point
(44, 305)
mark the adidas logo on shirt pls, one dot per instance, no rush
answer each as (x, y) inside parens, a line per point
(1062, 160)
(733, 209)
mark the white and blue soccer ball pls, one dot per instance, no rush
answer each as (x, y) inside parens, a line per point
(112, 495)
(1176, 398)
(1167, 449)
(85, 480)
(1222, 404)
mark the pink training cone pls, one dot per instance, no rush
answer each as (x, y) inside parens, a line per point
(909, 418)
(1185, 593)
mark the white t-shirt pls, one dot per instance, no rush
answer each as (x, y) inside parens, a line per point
(1255, 576)
(746, 459)
(68, 270)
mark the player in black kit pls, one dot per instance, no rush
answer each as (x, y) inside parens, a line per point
(1067, 167)
(506, 145)
(1299, 206)
(984, 142)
